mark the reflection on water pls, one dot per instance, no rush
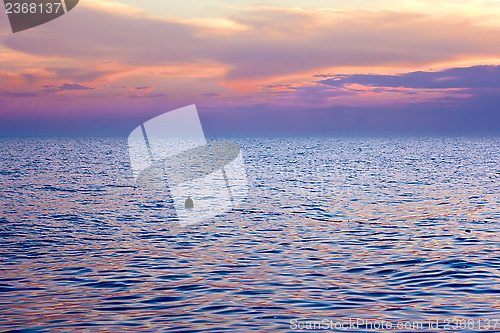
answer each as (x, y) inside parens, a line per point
(390, 229)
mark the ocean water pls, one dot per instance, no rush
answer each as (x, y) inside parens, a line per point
(385, 230)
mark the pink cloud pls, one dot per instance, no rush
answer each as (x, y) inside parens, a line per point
(277, 42)
(125, 65)
(74, 87)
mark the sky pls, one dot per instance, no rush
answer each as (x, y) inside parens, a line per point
(268, 68)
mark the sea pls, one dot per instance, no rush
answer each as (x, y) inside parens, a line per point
(336, 234)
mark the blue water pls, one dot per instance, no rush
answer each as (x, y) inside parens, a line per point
(381, 229)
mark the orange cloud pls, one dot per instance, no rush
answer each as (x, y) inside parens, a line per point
(275, 42)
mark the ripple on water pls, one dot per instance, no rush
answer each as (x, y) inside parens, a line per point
(392, 229)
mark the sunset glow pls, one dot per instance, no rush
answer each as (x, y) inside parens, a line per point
(116, 59)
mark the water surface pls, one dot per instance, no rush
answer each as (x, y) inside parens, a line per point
(385, 229)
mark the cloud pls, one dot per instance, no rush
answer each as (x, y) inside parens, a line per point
(469, 77)
(305, 95)
(76, 74)
(147, 92)
(126, 60)
(158, 95)
(473, 87)
(73, 87)
(277, 41)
